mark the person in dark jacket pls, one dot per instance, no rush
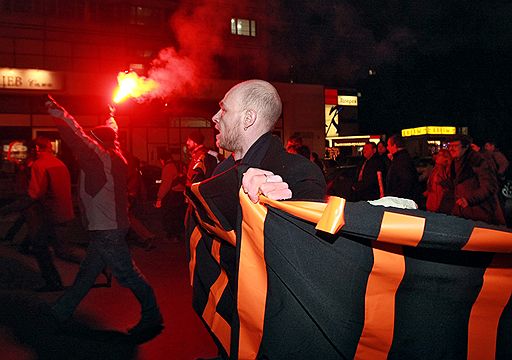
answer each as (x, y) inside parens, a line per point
(368, 186)
(402, 177)
(104, 201)
(475, 184)
(259, 165)
(382, 152)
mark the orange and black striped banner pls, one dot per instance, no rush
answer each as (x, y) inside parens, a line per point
(351, 280)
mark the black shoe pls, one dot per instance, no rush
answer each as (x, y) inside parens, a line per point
(146, 329)
(25, 249)
(68, 257)
(149, 244)
(50, 288)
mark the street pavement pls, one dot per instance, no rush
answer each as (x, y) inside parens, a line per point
(98, 328)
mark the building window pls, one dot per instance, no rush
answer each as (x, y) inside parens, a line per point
(244, 27)
(141, 15)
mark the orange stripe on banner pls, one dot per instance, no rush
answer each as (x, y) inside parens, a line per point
(216, 250)
(194, 240)
(217, 324)
(333, 217)
(401, 229)
(488, 307)
(252, 278)
(386, 275)
(308, 210)
(489, 240)
(218, 230)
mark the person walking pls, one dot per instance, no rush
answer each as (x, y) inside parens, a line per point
(49, 210)
(103, 195)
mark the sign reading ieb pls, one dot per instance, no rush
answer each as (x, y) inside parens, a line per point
(30, 79)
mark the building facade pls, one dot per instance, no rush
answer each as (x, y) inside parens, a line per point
(74, 50)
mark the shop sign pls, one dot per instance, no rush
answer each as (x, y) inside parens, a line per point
(30, 79)
(346, 100)
(431, 130)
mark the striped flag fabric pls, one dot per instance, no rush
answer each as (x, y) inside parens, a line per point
(334, 280)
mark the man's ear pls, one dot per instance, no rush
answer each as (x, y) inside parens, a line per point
(249, 118)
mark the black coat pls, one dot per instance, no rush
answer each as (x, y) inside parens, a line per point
(215, 247)
(368, 187)
(304, 178)
(402, 177)
(474, 180)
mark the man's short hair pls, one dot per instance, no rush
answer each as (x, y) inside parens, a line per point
(465, 140)
(43, 143)
(372, 144)
(196, 137)
(398, 140)
(262, 96)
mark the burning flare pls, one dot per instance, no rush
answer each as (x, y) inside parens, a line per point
(131, 85)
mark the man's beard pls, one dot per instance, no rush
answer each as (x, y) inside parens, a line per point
(229, 139)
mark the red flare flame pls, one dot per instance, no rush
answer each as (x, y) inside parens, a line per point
(132, 85)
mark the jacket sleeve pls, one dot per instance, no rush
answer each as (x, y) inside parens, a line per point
(487, 181)
(82, 146)
(501, 162)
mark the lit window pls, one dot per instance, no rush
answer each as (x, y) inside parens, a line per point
(141, 15)
(244, 27)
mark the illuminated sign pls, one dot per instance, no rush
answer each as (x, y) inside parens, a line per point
(30, 79)
(346, 100)
(330, 116)
(431, 130)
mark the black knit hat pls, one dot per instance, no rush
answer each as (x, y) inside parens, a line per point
(105, 135)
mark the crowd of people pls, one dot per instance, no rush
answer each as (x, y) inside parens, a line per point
(465, 182)
(463, 179)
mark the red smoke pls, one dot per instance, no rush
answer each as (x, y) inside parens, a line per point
(178, 69)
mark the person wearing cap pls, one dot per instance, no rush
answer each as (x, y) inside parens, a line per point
(103, 194)
(202, 162)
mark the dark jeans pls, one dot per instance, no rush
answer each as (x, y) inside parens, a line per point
(173, 213)
(41, 230)
(107, 248)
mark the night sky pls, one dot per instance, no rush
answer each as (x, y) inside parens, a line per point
(436, 62)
